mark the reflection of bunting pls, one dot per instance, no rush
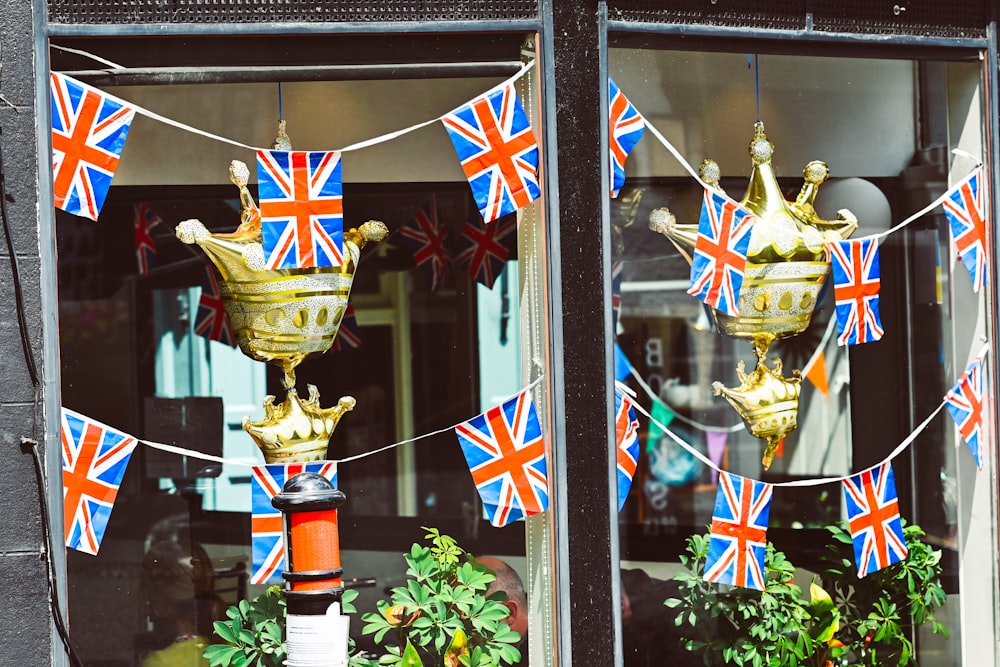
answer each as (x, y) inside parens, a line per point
(88, 135)
(873, 519)
(143, 220)
(506, 456)
(856, 284)
(963, 206)
(965, 405)
(720, 253)
(498, 152)
(715, 443)
(485, 248)
(426, 238)
(816, 373)
(267, 539)
(625, 132)
(212, 321)
(623, 368)
(616, 295)
(349, 334)
(301, 208)
(626, 444)
(739, 532)
(94, 458)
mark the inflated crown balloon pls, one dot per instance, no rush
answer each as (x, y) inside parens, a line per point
(787, 264)
(282, 316)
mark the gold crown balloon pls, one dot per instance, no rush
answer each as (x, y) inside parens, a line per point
(282, 316)
(787, 264)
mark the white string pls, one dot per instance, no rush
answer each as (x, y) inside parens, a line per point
(673, 151)
(690, 422)
(87, 54)
(193, 454)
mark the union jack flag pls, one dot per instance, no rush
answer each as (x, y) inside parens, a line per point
(506, 456)
(627, 128)
(267, 540)
(964, 207)
(873, 519)
(349, 334)
(145, 246)
(94, 458)
(965, 405)
(856, 284)
(485, 248)
(739, 532)
(626, 443)
(212, 321)
(720, 253)
(497, 148)
(88, 135)
(301, 208)
(426, 237)
(616, 295)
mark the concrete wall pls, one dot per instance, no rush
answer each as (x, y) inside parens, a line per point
(25, 627)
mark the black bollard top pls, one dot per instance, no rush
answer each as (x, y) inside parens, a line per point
(308, 492)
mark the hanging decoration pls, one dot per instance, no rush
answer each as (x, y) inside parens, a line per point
(494, 142)
(626, 444)
(856, 285)
(427, 239)
(212, 322)
(739, 532)
(88, 134)
(505, 451)
(785, 269)
(94, 458)
(626, 129)
(266, 530)
(143, 221)
(965, 405)
(873, 519)
(966, 213)
(484, 248)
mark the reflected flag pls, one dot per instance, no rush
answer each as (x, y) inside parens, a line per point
(873, 519)
(627, 128)
(143, 220)
(94, 458)
(965, 210)
(267, 539)
(965, 405)
(739, 532)
(720, 253)
(212, 321)
(349, 334)
(626, 444)
(88, 134)
(486, 247)
(856, 285)
(426, 238)
(506, 456)
(301, 208)
(497, 149)
(616, 295)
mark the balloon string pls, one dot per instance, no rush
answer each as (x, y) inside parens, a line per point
(756, 81)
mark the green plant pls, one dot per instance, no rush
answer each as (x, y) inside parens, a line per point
(443, 613)
(864, 622)
(254, 634)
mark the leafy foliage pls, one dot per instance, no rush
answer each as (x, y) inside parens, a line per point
(864, 622)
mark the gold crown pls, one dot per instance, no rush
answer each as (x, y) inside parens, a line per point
(296, 430)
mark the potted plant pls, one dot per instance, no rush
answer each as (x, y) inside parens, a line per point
(860, 622)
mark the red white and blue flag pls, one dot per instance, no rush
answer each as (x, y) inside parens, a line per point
(145, 246)
(88, 134)
(873, 519)
(626, 444)
(94, 459)
(856, 285)
(627, 128)
(966, 212)
(427, 239)
(212, 321)
(349, 334)
(965, 405)
(497, 149)
(267, 538)
(720, 253)
(485, 248)
(739, 532)
(506, 456)
(301, 208)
